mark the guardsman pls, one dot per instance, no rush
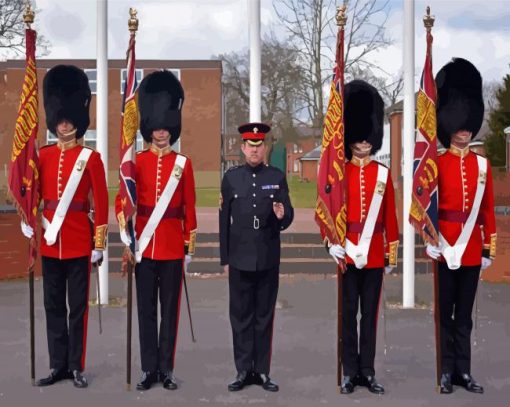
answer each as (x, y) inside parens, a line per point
(165, 225)
(372, 234)
(254, 208)
(467, 224)
(70, 244)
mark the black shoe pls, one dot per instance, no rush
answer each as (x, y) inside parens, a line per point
(445, 385)
(371, 383)
(348, 384)
(54, 377)
(147, 380)
(240, 381)
(79, 380)
(267, 383)
(168, 380)
(466, 380)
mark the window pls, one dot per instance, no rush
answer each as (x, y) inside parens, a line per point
(295, 148)
(177, 146)
(123, 77)
(296, 165)
(139, 141)
(92, 75)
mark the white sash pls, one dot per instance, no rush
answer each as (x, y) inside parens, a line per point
(453, 254)
(359, 253)
(161, 206)
(63, 204)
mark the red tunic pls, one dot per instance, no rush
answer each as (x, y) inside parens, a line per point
(76, 237)
(361, 179)
(178, 227)
(458, 177)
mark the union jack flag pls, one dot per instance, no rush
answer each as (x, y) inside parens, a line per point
(128, 129)
(423, 214)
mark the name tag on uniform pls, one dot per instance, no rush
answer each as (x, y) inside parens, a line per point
(270, 186)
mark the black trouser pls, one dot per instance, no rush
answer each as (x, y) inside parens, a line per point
(457, 290)
(66, 346)
(364, 287)
(165, 276)
(252, 301)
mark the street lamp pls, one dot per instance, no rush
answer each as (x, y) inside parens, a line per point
(507, 147)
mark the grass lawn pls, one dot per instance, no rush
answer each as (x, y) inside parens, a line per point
(302, 194)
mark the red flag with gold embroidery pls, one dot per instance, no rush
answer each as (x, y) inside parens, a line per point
(24, 163)
(330, 210)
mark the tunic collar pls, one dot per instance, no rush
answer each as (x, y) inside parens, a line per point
(459, 152)
(67, 145)
(256, 168)
(361, 162)
(160, 152)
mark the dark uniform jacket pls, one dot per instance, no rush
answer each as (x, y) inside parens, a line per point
(249, 229)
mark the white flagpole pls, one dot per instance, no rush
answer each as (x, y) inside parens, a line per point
(102, 118)
(408, 139)
(255, 75)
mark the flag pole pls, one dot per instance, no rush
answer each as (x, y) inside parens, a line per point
(28, 18)
(408, 147)
(255, 57)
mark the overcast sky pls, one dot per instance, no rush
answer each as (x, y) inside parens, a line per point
(197, 29)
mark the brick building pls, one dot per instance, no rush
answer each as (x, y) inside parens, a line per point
(202, 112)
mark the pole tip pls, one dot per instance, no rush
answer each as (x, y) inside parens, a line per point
(133, 20)
(341, 18)
(428, 19)
(28, 15)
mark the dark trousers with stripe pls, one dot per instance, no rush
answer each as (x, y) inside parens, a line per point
(67, 344)
(457, 291)
(360, 288)
(163, 278)
(252, 302)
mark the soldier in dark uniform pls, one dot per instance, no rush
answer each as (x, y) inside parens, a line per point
(254, 208)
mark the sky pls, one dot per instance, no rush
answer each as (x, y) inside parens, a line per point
(198, 29)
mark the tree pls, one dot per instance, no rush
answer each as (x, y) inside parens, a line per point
(280, 78)
(499, 119)
(12, 30)
(312, 29)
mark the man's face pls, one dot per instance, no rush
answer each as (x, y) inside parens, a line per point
(254, 154)
(461, 138)
(65, 129)
(362, 149)
(160, 137)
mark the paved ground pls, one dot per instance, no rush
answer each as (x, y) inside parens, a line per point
(304, 351)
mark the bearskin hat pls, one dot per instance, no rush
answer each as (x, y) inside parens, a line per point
(67, 96)
(363, 115)
(160, 99)
(459, 100)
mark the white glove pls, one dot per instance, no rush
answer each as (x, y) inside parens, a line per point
(27, 230)
(434, 252)
(486, 263)
(388, 269)
(187, 261)
(124, 237)
(96, 257)
(337, 252)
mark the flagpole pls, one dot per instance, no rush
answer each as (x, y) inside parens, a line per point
(102, 120)
(28, 18)
(408, 147)
(255, 60)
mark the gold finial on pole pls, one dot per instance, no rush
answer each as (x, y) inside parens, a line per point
(341, 18)
(133, 21)
(428, 20)
(28, 15)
